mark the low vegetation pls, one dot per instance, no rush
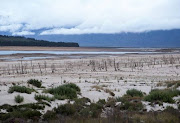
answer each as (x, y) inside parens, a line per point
(132, 106)
(165, 95)
(66, 91)
(21, 89)
(134, 93)
(19, 99)
(43, 97)
(131, 101)
(21, 112)
(99, 88)
(174, 84)
(35, 82)
(80, 108)
(23, 41)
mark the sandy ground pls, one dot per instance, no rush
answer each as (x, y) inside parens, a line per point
(25, 48)
(116, 73)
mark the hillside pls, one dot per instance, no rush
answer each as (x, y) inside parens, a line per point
(159, 38)
(23, 41)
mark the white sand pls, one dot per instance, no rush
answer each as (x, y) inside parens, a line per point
(80, 71)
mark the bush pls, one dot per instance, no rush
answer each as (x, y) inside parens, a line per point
(25, 114)
(95, 110)
(73, 86)
(176, 84)
(35, 106)
(132, 106)
(66, 109)
(28, 113)
(43, 97)
(118, 99)
(134, 93)
(82, 101)
(19, 99)
(101, 101)
(35, 82)
(110, 102)
(67, 91)
(49, 115)
(127, 98)
(165, 95)
(21, 89)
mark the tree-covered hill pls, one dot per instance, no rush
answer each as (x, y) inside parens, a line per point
(22, 41)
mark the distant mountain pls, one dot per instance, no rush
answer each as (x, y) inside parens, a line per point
(160, 38)
(23, 41)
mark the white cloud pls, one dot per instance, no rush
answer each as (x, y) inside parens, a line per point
(10, 28)
(90, 16)
(23, 33)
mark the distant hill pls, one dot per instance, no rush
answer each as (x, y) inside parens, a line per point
(23, 41)
(160, 38)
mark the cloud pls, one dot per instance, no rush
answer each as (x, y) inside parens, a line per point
(10, 28)
(89, 16)
(22, 33)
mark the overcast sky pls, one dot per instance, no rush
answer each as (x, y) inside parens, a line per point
(23, 17)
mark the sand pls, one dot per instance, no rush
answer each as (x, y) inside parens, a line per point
(142, 72)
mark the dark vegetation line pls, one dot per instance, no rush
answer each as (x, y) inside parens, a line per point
(23, 41)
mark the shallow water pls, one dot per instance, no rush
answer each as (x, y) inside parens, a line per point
(69, 52)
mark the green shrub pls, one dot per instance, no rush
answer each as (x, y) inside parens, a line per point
(176, 84)
(132, 106)
(67, 91)
(134, 93)
(93, 110)
(7, 107)
(73, 86)
(59, 97)
(19, 99)
(96, 109)
(101, 101)
(165, 95)
(126, 98)
(21, 89)
(35, 82)
(110, 102)
(35, 106)
(4, 116)
(118, 99)
(66, 109)
(25, 114)
(49, 115)
(43, 97)
(28, 113)
(82, 101)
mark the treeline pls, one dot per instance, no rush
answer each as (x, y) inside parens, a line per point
(23, 41)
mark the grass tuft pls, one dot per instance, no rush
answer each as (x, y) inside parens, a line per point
(43, 97)
(134, 93)
(19, 99)
(21, 89)
(35, 82)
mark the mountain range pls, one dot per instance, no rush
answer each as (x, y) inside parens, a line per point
(154, 39)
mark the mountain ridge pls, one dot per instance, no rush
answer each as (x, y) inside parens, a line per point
(159, 38)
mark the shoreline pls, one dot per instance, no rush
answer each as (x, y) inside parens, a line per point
(109, 49)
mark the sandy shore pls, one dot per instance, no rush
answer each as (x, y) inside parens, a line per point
(20, 48)
(123, 72)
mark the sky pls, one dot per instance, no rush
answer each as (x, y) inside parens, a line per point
(24, 17)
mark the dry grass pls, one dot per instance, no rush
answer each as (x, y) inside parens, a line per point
(99, 88)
